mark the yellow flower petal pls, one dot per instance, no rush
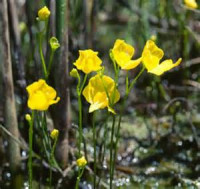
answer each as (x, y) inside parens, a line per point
(132, 64)
(95, 106)
(54, 101)
(38, 101)
(191, 4)
(88, 61)
(151, 55)
(165, 66)
(111, 110)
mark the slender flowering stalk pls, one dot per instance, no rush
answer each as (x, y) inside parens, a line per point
(87, 62)
(54, 136)
(30, 174)
(43, 16)
(121, 56)
(54, 44)
(103, 151)
(41, 96)
(81, 163)
(41, 36)
(79, 91)
(111, 152)
(95, 149)
(128, 89)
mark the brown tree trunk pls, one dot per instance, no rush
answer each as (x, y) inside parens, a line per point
(9, 98)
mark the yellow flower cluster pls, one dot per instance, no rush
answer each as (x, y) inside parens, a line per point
(41, 95)
(81, 162)
(191, 4)
(44, 13)
(101, 91)
(151, 56)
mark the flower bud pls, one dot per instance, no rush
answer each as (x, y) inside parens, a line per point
(54, 134)
(74, 73)
(153, 38)
(81, 162)
(28, 117)
(43, 13)
(54, 43)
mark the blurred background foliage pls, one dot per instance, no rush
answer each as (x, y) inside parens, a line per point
(161, 127)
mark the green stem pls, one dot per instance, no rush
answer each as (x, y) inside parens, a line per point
(45, 139)
(52, 160)
(128, 89)
(50, 62)
(80, 173)
(78, 179)
(40, 49)
(30, 150)
(80, 124)
(79, 91)
(111, 151)
(127, 83)
(102, 153)
(94, 143)
(135, 79)
(42, 55)
(83, 84)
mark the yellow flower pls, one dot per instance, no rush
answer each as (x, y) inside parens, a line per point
(81, 162)
(88, 61)
(44, 13)
(151, 57)
(28, 117)
(54, 134)
(99, 91)
(122, 53)
(191, 4)
(41, 95)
